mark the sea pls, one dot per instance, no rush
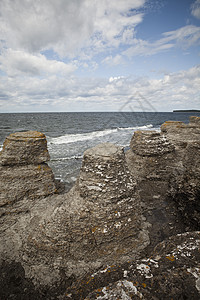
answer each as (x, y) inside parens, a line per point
(69, 134)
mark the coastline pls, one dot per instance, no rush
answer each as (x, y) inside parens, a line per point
(147, 185)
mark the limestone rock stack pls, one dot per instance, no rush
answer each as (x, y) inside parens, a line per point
(181, 134)
(23, 169)
(185, 180)
(150, 160)
(150, 143)
(56, 239)
(107, 186)
(97, 223)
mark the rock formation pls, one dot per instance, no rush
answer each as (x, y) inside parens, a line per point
(169, 273)
(51, 242)
(98, 222)
(184, 183)
(150, 160)
(24, 174)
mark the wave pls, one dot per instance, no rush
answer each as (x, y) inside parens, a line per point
(73, 138)
(76, 157)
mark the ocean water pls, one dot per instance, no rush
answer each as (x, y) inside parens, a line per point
(70, 134)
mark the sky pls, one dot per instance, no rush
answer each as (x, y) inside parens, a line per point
(99, 55)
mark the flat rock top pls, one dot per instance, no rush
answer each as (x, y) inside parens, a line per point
(26, 135)
(104, 150)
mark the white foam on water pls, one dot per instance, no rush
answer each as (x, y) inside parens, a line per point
(76, 157)
(73, 138)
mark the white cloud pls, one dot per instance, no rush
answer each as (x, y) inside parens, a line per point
(195, 9)
(65, 26)
(16, 62)
(176, 90)
(35, 25)
(185, 37)
(90, 33)
(113, 60)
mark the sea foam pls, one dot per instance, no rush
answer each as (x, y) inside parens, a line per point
(73, 138)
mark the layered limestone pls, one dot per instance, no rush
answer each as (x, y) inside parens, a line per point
(150, 143)
(184, 186)
(24, 148)
(98, 222)
(24, 173)
(181, 134)
(50, 242)
(150, 161)
(108, 188)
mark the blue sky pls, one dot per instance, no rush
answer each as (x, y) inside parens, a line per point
(99, 55)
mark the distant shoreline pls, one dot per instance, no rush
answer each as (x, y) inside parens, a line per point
(186, 110)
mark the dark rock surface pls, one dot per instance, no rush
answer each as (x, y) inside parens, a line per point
(184, 186)
(172, 272)
(93, 242)
(151, 161)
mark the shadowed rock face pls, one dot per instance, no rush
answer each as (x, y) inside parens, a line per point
(184, 184)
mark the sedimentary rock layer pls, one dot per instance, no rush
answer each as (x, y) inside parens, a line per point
(24, 174)
(24, 148)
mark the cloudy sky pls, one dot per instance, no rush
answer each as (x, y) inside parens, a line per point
(99, 55)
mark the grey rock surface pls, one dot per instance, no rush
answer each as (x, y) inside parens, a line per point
(24, 174)
(150, 143)
(184, 185)
(172, 272)
(23, 148)
(103, 225)
(98, 222)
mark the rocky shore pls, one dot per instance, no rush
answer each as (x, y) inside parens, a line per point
(128, 229)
